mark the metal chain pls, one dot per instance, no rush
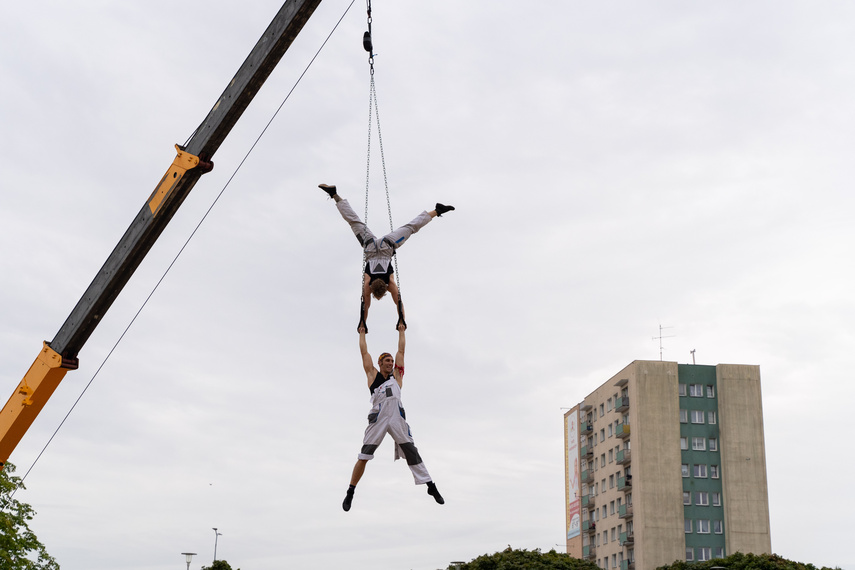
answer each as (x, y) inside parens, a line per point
(371, 39)
(385, 176)
(374, 111)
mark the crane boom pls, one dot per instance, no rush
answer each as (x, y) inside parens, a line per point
(60, 355)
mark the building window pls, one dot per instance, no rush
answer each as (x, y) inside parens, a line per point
(714, 471)
(611, 481)
(687, 497)
(696, 390)
(710, 391)
(703, 526)
(602, 411)
(684, 443)
(717, 526)
(710, 417)
(687, 526)
(702, 498)
(611, 512)
(700, 471)
(614, 560)
(603, 460)
(605, 512)
(699, 443)
(713, 444)
(603, 434)
(682, 389)
(684, 468)
(716, 499)
(718, 551)
(684, 417)
(613, 534)
(690, 554)
(697, 416)
(611, 455)
(704, 553)
(610, 430)
(609, 405)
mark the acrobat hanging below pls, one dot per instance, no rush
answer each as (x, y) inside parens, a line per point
(379, 276)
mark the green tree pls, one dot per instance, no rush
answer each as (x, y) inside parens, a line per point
(19, 547)
(219, 565)
(740, 561)
(510, 559)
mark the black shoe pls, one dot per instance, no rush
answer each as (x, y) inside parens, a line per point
(348, 498)
(440, 208)
(330, 189)
(433, 492)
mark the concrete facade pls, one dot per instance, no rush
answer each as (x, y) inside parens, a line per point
(672, 461)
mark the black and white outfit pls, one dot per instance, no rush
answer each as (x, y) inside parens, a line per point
(378, 253)
(387, 416)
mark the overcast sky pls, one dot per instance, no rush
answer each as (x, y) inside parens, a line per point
(616, 166)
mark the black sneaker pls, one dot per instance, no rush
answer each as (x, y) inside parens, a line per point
(330, 189)
(434, 492)
(348, 498)
(440, 208)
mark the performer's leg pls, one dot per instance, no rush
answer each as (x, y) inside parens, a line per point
(400, 432)
(360, 230)
(402, 234)
(358, 471)
(374, 434)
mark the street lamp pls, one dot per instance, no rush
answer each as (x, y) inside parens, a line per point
(216, 536)
(189, 556)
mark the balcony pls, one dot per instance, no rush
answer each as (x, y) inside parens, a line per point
(587, 476)
(589, 551)
(625, 511)
(586, 428)
(589, 526)
(624, 483)
(622, 404)
(622, 457)
(627, 565)
(626, 538)
(622, 431)
(588, 501)
(587, 451)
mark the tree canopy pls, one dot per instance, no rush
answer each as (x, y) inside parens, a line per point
(219, 565)
(740, 561)
(510, 559)
(20, 549)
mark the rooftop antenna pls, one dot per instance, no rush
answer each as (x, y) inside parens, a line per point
(693, 355)
(660, 337)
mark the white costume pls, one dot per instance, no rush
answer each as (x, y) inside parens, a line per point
(378, 253)
(387, 416)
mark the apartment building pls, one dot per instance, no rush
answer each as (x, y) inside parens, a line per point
(667, 462)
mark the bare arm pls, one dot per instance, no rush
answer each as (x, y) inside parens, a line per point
(367, 362)
(399, 357)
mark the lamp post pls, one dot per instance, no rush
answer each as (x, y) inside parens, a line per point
(189, 556)
(216, 536)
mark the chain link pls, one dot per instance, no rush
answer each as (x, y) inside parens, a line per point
(374, 112)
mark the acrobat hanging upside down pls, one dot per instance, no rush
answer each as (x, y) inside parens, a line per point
(379, 276)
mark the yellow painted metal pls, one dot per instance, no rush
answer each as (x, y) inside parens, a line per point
(182, 163)
(29, 398)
